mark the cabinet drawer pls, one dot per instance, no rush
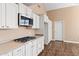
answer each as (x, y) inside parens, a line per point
(7, 54)
(19, 51)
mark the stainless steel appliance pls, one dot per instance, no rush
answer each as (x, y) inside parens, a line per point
(25, 39)
(23, 20)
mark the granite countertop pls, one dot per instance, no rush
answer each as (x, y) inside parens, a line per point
(11, 45)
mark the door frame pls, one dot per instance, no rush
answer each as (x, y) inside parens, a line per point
(62, 30)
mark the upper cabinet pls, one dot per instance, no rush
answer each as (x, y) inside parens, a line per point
(36, 21)
(29, 12)
(8, 15)
(23, 9)
(0, 15)
(42, 24)
(11, 15)
(46, 18)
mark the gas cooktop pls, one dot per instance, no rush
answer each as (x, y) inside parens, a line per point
(25, 39)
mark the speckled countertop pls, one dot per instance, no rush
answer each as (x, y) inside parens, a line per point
(10, 46)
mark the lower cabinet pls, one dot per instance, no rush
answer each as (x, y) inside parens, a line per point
(7, 54)
(28, 48)
(19, 51)
(35, 47)
(40, 44)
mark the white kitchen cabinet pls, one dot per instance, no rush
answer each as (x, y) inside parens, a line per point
(40, 44)
(0, 15)
(8, 15)
(23, 9)
(41, 24)
(28, 48)
(3, 16)
(11, 15)
(34, 21)
(46, 18)
(7, 54)
(35, 47)
(36, 24)
(20, 51)
(29, 12)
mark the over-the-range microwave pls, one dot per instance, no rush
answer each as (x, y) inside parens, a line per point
(23, 20)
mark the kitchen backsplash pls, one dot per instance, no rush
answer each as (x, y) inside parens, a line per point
(7, 35)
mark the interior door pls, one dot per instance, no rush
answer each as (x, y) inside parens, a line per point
(58, 34)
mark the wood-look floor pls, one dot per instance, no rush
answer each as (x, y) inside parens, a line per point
(57, 48)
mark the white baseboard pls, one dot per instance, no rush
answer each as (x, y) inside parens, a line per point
(53, 40)
(58, 39)
(71, 41)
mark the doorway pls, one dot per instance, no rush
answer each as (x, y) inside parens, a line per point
(58, 30)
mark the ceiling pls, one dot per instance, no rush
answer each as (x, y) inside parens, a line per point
(53, 6)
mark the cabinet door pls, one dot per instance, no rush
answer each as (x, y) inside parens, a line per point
(11, 15)
(0, 15)
(29, 48)
(40, 44)
(46, 18)
(35, 47)
(29, 12)
(42, 41)
(7, 54)
(3, 15)
(22, 8)
(37, 22)
(34, 21)
(41, 21)
(19, 51)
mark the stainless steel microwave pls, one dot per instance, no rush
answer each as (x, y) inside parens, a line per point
(24, 20)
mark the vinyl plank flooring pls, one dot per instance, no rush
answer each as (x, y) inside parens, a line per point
(60, 48)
